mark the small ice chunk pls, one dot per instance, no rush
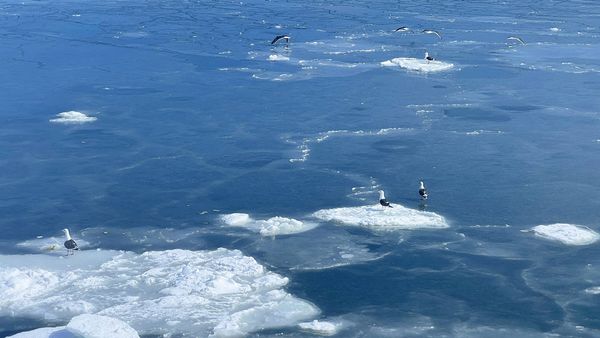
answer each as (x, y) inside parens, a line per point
(594, 290)
(377, 218)
(270, 227)
(95, 326)
(236, 219)
(555, 29)
(322, 328)
(277, 57)
(72, 117)
(418, 65)
(569, 234)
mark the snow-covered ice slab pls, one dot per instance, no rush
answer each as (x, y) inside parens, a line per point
(198, 293)
(269, 227)
(418, 65)
(85, 325)
(72, 117)
(569, 234)
(376, 217)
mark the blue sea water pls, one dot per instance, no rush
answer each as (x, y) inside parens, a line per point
(199, 115)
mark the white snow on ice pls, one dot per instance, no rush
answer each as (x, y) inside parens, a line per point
(85, 325)
(377, 218)
(270, 227)
(418, 65)
(221, 293)
(277, 57)
(569, 234)
(321, 328)
(72, 117)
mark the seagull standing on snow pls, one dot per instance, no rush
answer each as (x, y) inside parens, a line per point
(384, 203)
(70, 243)
(431, 31)
(280, 37)
(428, 57)
(422, 191)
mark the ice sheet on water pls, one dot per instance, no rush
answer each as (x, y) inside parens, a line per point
(328, 248)
(418, 65)
(72, 117)
(376, 217)
(85, 325)
(269, 227)
(220, 292)
(569, 234)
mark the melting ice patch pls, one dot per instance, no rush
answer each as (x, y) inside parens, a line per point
(418, 65)
(270, 227)
(304, 146)
(85, 325)
(198, 293)
(72, 117)
(50, 244)
(376, 217)
(569, 234)
(277, 57)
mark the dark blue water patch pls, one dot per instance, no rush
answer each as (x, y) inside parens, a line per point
(404, 146)
(439, 87)
(80, 141)
(245, 160)
(519, 108)
(476, 114)
(484, 290)
(585, 313)
(274, 191)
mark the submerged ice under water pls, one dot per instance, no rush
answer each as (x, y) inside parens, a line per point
(240, 178)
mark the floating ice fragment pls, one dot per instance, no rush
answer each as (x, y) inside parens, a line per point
(322, 328)
(270, 227)
(594, 290)
(419, 65)
(377, 218)
(569, 234)
(85, 325)
(277, 57)
(72, 117)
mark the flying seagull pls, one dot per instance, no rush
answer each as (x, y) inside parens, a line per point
(422, 191)
(516, 38)
(431, 31)
(402, 29)
(279, 37)
(70, 243)
(428, 57)
(384, 203)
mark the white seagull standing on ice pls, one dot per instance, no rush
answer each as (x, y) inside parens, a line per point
(70, 243)
(384, 203)
(422, 191)
(428, 57)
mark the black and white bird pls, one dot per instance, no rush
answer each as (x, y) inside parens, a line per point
(516, 38)
(70, 243)
(402, 29)
(428, 57)
(431, 31)
(384, 203)
(422, 191)
(280, 37)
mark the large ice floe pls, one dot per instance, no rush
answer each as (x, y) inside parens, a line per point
(569, 234)
(270, 227)
(85, 325)
(218, 293)
(376, 217)
(72, 117)
(418, 65)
